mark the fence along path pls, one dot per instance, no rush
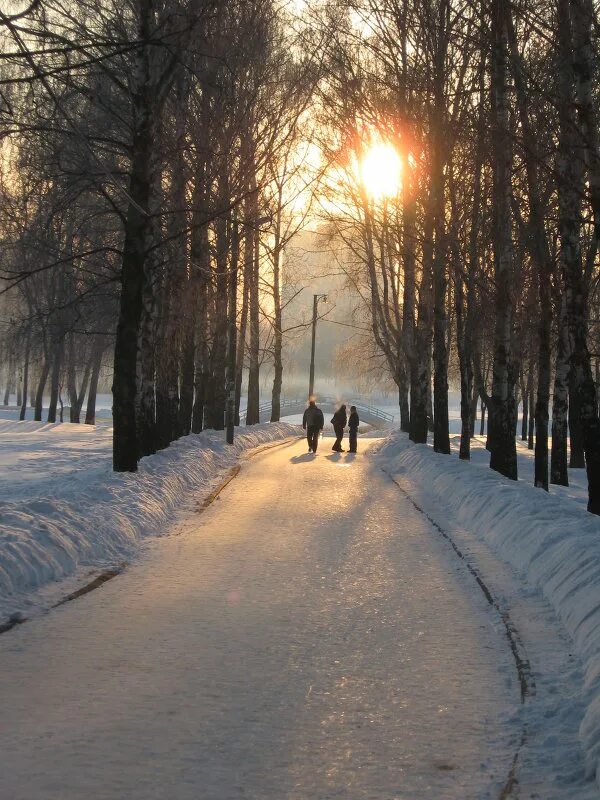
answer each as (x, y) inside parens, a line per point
(369, 414)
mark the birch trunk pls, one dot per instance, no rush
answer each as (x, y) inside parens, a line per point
(137, 235)
(241, 348)
(578, 146)
(277, 323)
(23, 411)
(55, 380)
(559, 473)
(420, 384)
(90, 413)
(501, 426)
(252, 412)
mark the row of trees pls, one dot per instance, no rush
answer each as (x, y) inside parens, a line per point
(487, 255)
(154, 154)
(151, 165)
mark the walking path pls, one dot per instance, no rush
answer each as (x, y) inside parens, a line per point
(308, 636)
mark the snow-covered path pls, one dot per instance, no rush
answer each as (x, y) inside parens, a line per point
(307, 637)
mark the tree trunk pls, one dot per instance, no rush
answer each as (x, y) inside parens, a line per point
(577, 449)
(232, 332)
(200, 378)
(252, 410)
(241, 348)
(76, 397)
(90, 412)
(531, 431)
(559, 473)
(441, 425)
(409, 215)
(186, 380)
(7, 390)
(200, 271)
(430, 409)
(440, 144)
(147, 433)
(55, 380)
(39, 395)
(23, 411)
(201, 369)
(579, 145)
(420, 377)
(544, 376)
(216, 394)
(525, 417)
(72, 380)
(542, 262)
(167, 366)
(277, 321)
(138, 229)
(474, 400)
(402, 383)
(466, 370)
(501, 428)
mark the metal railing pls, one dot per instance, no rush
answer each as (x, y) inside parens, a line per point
(368, 410)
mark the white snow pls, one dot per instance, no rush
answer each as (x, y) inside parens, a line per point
(308, 636)
(62, 509)
(551, 541)
(63, 513)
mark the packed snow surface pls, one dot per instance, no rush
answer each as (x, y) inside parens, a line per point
(62, 508)
(308, 636)
(552, 542)
(311, 635)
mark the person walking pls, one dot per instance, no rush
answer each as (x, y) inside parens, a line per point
(353, 423)
(313, 422)
(339, 422)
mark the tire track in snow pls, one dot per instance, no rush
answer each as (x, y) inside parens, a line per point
(522, 664)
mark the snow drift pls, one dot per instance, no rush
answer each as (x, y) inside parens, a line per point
(552, 543)
(98, 517)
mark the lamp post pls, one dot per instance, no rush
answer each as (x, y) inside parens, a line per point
(232, 287)
(311, 383)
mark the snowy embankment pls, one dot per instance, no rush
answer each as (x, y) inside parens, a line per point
(62, 508)
(553, 544)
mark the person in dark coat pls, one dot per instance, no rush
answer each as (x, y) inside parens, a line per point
(313, 422)
(339, 422)
(353, 423)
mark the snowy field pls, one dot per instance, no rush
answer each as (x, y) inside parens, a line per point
(65, 517)
(64, 512)
(309, 636)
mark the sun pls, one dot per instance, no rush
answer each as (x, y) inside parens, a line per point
(379, 169)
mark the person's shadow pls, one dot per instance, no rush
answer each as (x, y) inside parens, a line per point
(304, 457)
(335, 456)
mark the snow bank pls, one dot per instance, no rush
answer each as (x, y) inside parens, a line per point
(553, 544)
(95, 517)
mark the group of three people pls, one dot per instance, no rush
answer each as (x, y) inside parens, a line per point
(313, 423)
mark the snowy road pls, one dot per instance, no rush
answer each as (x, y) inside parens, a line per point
(307, 637)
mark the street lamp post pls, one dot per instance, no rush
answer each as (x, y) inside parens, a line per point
(311, 383)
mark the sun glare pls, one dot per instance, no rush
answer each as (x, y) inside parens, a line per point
(380, 171)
